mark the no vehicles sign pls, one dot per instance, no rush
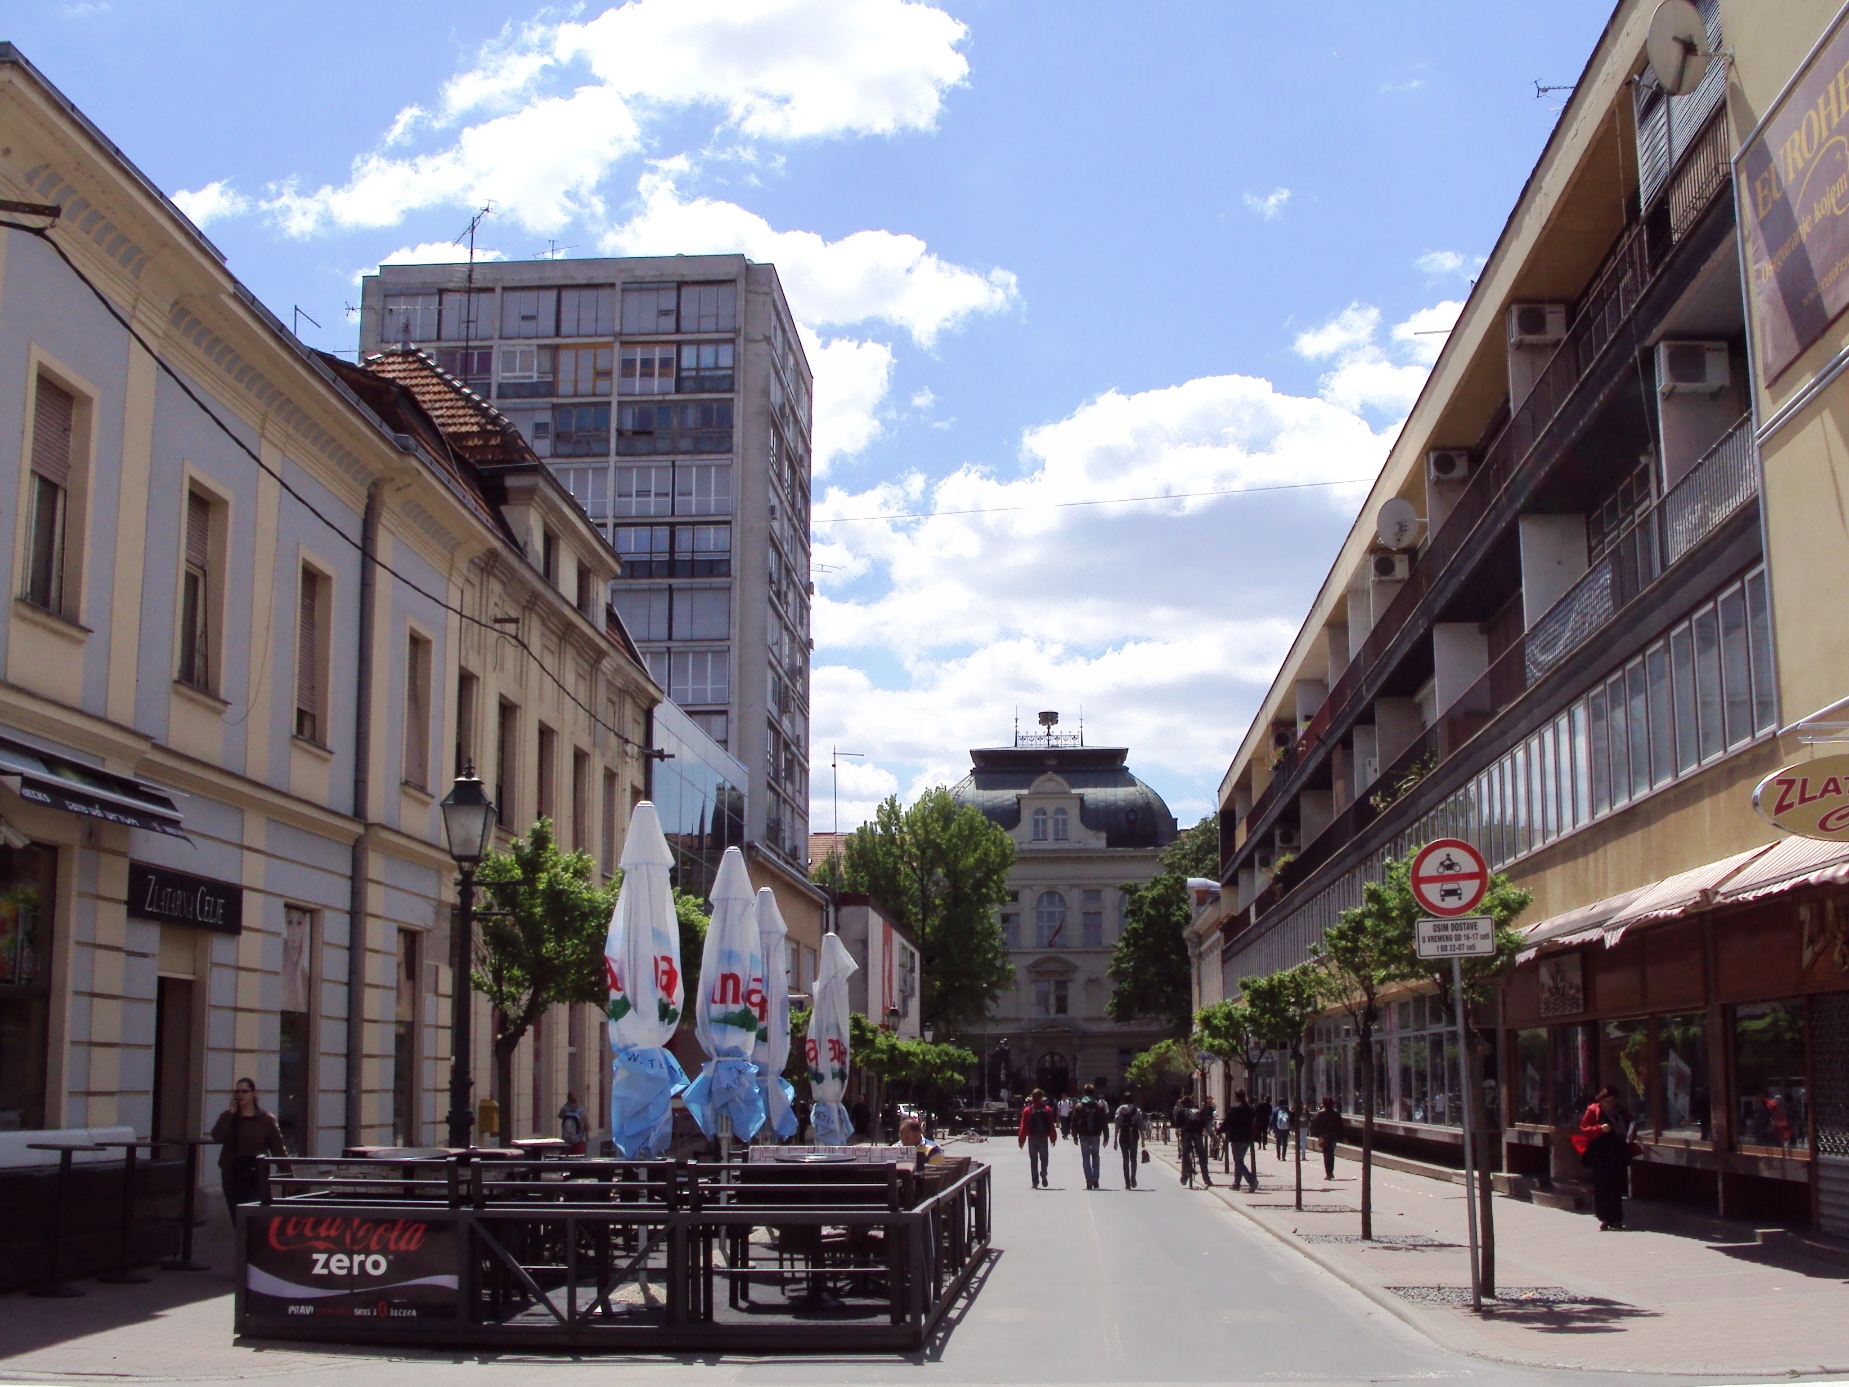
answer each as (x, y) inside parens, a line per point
(1449, 877)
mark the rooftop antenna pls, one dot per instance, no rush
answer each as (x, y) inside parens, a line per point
(1081, 724)
(1541, 89)
(834, 763)
(297, 328)
(468, 288)
(554, 250)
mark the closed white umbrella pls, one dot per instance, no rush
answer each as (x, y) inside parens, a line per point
(826, 1048)
(773, 1048)
(731, 1010)
(642, 959)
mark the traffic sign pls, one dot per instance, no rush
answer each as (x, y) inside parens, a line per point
(1449, 877)
(1202, 1059)
(1457, 936)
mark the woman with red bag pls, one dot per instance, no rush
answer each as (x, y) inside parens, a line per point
(1604, 1145)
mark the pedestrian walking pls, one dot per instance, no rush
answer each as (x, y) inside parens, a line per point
(1178, 1119)
(1210, 1130)
(1236, 1129)
(1280, 1127)
(1604, 1144)
(1065, 1118)
(1131, 1127)
(1198, 1131)
(1261, 1128)
(1039, 1131)
(571, 1125)
(1089, 1121)
(244, 1131)
(1326, 1127)
(862, 1118)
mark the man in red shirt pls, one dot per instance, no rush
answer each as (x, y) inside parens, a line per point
(1039, 1130)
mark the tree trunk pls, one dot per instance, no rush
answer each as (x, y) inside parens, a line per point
(1367, 1132)
(504, 1047)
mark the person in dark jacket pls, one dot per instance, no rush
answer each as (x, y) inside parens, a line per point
(1039, 1132)
(1326, 1127)
(1130, 1126)
(1191, 1140)
(1089, 1120)
(1261, 1129)
(244, 1132)
(1236, 1128)
(1604, 1144)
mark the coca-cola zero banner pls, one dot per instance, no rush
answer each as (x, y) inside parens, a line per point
(324, 1264)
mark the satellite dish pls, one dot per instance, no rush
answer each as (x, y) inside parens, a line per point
(1678, 46)
(1397, 523)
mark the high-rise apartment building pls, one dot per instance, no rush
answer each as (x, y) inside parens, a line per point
(671, 396)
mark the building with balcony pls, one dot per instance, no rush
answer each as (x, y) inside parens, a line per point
(1084, 829)
(1617, 612)
(672, 398)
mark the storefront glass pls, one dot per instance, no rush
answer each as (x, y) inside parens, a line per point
(27, 896)
(1576, 1071)
(1682, 1076)
(1624, 1065)
(1769, 1083)
(699, 792)
(1531, 1076)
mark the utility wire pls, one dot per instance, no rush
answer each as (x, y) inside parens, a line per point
(1101, 501)
(44, 234)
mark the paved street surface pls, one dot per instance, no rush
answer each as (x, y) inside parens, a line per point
(1160, 1285)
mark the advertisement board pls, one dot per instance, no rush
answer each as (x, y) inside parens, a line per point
(341, 1264)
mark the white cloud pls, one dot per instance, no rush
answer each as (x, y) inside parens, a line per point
(923, 398)
(1441, 264)
(1271, 205)
(851, 380)
(1350, 330)
(544, 139)
(863, 276)
(1362, 377)
(208, 204)
(438, 253)
(1424, 333)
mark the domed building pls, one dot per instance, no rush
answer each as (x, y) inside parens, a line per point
(1083, 826)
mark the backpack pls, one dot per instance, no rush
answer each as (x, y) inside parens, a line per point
(1040, 1120)
(1090, 1118)
(1129, 1115)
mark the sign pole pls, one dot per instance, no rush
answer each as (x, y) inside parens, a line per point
(1470, 1182)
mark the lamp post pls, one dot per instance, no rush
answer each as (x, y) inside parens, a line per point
(468, 822)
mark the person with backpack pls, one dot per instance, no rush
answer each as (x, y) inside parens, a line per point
(1039, 1131)
(572, 1125)
(1089, 1121)
(1280, 1127)
(1190, 1140)
(1131, 1128)
(1326, 1127)
(1261, 1128)
(1236, 1129)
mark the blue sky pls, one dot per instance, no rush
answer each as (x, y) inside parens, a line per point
(1043, 253)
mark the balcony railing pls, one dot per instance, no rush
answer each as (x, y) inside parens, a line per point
(1724, 480)
(1605, 309)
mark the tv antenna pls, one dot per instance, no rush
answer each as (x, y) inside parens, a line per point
(834, 764)
(299, 315)
(1542, 89)
(553, 250)
(468, 286)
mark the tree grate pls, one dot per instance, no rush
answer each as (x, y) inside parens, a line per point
(1392, 1242)
(1311, 1208)
(1505, 1295)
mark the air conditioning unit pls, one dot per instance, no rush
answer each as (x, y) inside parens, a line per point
(1391, 568)
(1370, 769)
(1691, 368)
(1537, 324)
(1286, 839)
(1262, 861)
(1447, 465)
(1282, 738)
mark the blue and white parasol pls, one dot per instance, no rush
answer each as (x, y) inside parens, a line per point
(731, 1011)
(642, 959)
(826, 1048)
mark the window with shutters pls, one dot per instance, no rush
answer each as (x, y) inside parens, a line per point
(648, 369)
(468, 692)
(580, 800)
(589, 311)
(529, 312)
(709, 307)
(417, 711)
(197, 595)
(546, 805)
(311, 656)
(649, 308)
(506, 748)
(409, 318)
(609, 822)
(54, 429)
(584, 370)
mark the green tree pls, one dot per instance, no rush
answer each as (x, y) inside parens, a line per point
(1149, 964)
(1282, 1005)
(1225, 1031)
(541, 942)
(941, 869)
(1364, 952)
(1163, 1066)
(691, 914)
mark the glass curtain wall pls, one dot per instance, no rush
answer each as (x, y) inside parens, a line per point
(699, 791)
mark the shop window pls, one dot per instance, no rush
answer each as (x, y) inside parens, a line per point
(404, 1043)
(1576, 1071)
(1624, 1065)
(1682, 1077)
(28, 898)
(293, 1073)
(1530, 1077)
(1773, 1098)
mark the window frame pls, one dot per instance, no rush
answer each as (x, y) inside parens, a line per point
(69, 523)
(310, 722)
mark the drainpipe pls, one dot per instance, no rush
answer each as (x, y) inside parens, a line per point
(362, 807)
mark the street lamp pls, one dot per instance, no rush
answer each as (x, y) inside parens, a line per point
(893, 1017)
(468, 822)
(930, 1032)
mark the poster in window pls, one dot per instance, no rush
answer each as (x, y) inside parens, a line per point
(340, 1264)
(1563, 986)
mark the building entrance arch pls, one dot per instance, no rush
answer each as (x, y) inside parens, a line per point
(1053, 1074)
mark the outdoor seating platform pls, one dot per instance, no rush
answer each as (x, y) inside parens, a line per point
(794, 1248)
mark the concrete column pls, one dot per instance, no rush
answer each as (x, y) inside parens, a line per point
(1310, 696)
(1553, 552)
(1342, 776)
(1380, 596)
(1396, 727)
(1460, 655)
(1315, 808)
(1335, 635)
(1360, 620)
(1440, 501)
(1366, 757)
(1690, 424)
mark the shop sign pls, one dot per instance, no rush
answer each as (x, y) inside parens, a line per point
(1467, 936)
(341, 1265)
(1562, 985)
(179, 898)
(1793, 182)
(1810, 799)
